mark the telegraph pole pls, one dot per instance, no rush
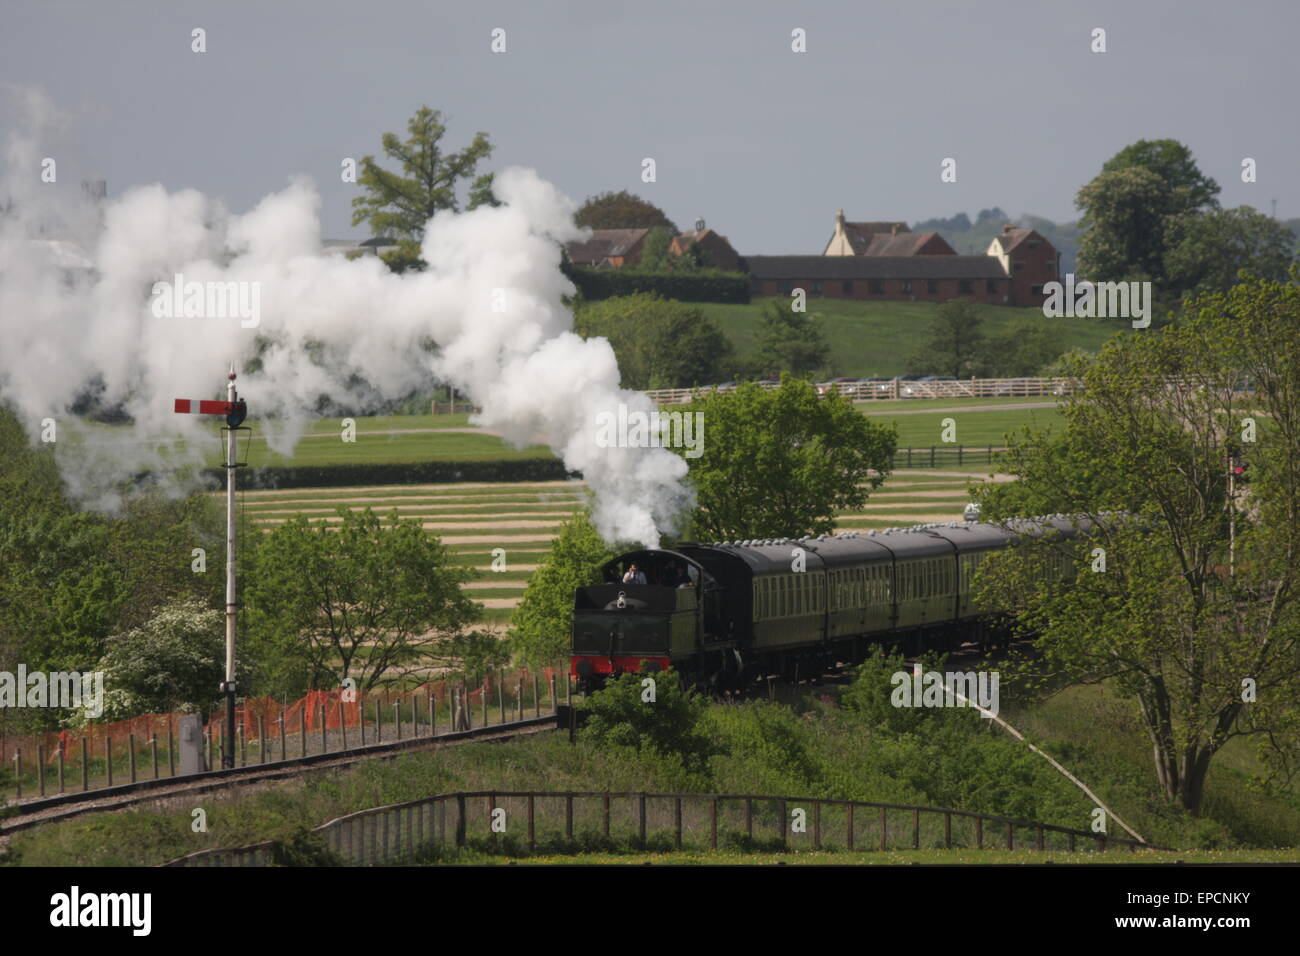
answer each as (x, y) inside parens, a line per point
(234, 410)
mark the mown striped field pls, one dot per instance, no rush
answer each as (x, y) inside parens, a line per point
(474, 519)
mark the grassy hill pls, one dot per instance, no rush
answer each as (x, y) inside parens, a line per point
(876, 338)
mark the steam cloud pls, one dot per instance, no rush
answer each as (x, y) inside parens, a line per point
(325, 320)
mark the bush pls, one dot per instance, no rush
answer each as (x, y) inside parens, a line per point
(705, 285)
(622, 716)
(398, 473)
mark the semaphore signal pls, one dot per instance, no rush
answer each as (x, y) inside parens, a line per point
(234, 410)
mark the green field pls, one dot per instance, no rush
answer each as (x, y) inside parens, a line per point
(876, 338)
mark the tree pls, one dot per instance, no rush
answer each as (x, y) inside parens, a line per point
(789, 341)
(654, 250)
(1196, 616)
(660, 343)
(175, 661)
(1124, 215)
(1019, 350)
(541, 625)
(400, 205)
(1189, 188)
(955, 343)
(621, 210)
(783, 462)
(1206, 251)
(356, 598)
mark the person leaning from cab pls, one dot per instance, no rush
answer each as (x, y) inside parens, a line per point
(634, 576)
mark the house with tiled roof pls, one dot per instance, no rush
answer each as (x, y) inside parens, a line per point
(1029, 259)
(608, 248)
(883, 239)
(718, 252)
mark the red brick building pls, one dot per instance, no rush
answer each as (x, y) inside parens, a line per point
(888, 262)
(1029, 259)
(717, 250)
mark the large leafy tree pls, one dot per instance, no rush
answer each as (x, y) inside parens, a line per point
(1206, 251)
(1172, 162)
(622, 210)
(789, 341)
(1195, 614)
(783, 462)
(541, 624)
(660, 343)
(1124, 217)
(399, 205)
(955, 344)
(359, 598)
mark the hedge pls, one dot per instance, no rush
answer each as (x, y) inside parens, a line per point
(395, 473)
(707, 285)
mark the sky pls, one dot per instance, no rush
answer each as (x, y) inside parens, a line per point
(764, 143)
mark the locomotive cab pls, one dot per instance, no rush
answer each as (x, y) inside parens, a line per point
(620, 627)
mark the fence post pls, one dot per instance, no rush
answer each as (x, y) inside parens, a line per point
(261, 737)
(85, 767)
(18, 773)
(884, 830)
(40, 769)
(501, 701)
(532, 842)
(397, 717)
(781, 824)
(1071, 841)
(1040, 836)
(61, 767)
(379, 723)
(243, 745)
(433, 716)
(537, 700)
(553, 709)
(606, 823)
(519, 699)
(817, 825)
(568, 816)
(324, 734)
(916, 829)
(109, 752)
(849, 842)
(284, 754)
(568, 689)
(979, 833)
(485, 702)
(677, 820)
(171, 760)
(343, 724)
(1010, 837)
(153, 746)
(947, 831)
(641, 809)
(713, 824)
(468, 710)
(749, 818)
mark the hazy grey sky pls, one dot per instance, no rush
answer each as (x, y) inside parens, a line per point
(765, 143)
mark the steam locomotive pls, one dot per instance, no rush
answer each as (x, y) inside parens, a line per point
(724, 614)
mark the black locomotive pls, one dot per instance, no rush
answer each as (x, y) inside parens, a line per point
(724, 614)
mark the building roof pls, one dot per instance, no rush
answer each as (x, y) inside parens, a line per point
(874, 267)
(604, 244)
(860, 234)
(1010, 237)
(903, 244)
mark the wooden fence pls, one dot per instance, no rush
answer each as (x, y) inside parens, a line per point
(562, 821)
(898, 388)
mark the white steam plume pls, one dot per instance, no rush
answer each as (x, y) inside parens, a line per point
(491, 299)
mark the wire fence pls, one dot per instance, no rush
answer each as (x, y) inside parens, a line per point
(512, 822)
(894, 388)
(268, 731)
